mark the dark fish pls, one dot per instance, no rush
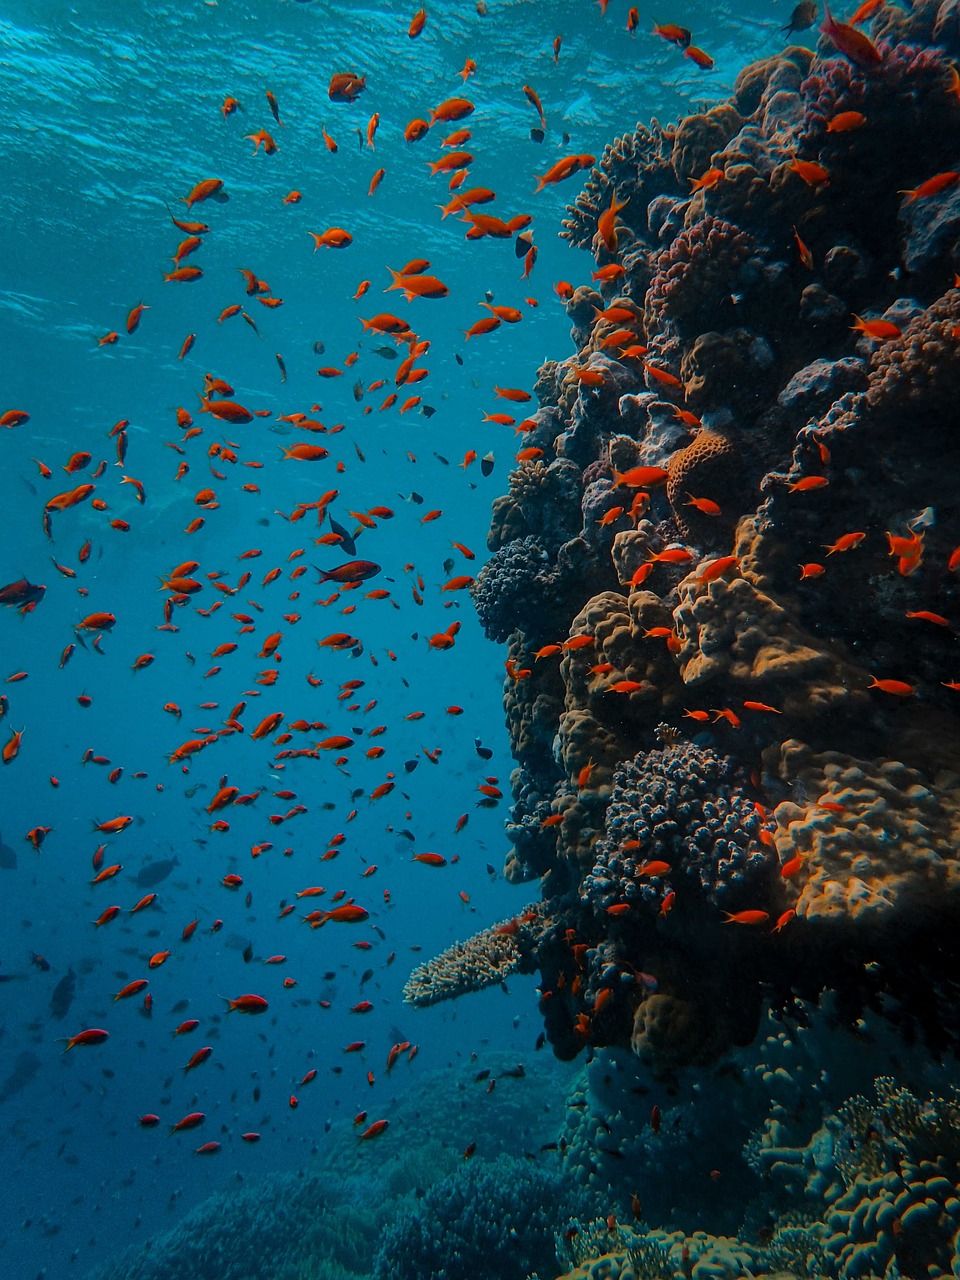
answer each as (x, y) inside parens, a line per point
(25, 1067)
(459, 358)
(410, 765)
(63, 994)
(282, 367)
(8, 857)
(21, 592)
(513, 1073)
(483, 752)
(482, 1075)
(536, 135)
(804, 15)
(319, 348)
(387, 353)
(346, 540)
(523, 243)
(486, 464)
(154, 872)
(366, 976)
(427, 410)
(350, 571)
(41, 962)
(358, 391)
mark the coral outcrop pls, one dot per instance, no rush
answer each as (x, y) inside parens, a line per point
(731, 587)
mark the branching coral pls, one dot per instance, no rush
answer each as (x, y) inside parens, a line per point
(485, 960)
(492, 1219)
(688, 808)
(509, 590)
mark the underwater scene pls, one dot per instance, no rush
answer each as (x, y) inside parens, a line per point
(479, 670)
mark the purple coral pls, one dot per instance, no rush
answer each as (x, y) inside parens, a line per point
(687, 806)
(696, 275)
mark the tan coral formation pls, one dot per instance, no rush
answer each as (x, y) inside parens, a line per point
(705, 468)
(670, 1032)
(889, 853)
(733, 634)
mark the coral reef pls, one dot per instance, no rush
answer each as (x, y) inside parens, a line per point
(731, 691)
(310, 1228)
(493, 1219)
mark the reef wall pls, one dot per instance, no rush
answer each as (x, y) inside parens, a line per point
(727, 572)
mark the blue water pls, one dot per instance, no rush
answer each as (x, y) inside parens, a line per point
(112, 113)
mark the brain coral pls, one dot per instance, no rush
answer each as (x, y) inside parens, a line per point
(709, 468)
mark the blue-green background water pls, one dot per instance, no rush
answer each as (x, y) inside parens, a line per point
(112, 110)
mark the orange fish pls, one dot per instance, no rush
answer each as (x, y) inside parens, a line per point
(417, 286)
(640, 477)
(846, 542)
(669, 31)
(846, 121)
(879, 330)
(752, 918)
(11, 748)
(204, 190)
(718, 568)
(332, 238)
(451, 109)
(898, 688)
(564, 168)
(812, 173)
(847, 40)
(699, 57)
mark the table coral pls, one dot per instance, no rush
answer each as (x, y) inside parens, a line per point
(485, 960)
